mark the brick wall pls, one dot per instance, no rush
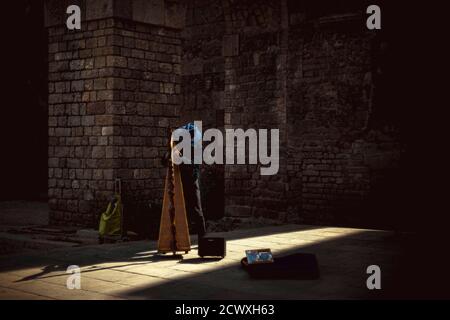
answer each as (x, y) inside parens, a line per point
(316, 75)
(203, 86)
(80, 126)
(147, 84)
(254, 99)
(340, 165)
(113, 91)
(310, 70)
(226, 84)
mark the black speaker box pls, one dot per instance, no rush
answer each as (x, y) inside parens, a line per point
(212, 247)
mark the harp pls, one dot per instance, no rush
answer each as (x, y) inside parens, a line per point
(173, 228)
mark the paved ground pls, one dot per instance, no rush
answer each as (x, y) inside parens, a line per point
(23, 213)
(134, 271)
(24, 227)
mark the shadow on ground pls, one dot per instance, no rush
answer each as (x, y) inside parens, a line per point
(342, 260)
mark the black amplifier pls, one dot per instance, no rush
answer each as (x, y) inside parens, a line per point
(212, 247)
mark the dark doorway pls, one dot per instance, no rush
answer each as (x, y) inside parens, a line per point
(24, 126)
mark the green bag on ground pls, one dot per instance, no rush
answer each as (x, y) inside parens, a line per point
(110, 220)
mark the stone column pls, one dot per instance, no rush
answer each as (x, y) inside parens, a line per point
(114, 88)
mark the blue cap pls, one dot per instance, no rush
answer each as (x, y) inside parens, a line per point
(192, 128)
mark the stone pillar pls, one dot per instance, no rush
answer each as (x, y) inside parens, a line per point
(114, 88)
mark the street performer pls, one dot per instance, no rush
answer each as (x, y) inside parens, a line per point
(190, 177)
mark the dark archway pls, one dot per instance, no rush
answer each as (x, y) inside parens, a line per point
(24, 122)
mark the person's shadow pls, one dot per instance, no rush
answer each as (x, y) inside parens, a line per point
(46, 270)
(137, 259)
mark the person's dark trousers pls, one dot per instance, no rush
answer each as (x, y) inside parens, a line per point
(190, 175)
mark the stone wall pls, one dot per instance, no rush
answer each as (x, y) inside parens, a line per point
(317, 75)
(147, 90)
(203, 86)
(343, 162)
(314, 72)
(81, 119)
(114, 90)
(254, 98)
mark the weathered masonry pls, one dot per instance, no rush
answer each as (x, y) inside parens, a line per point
(137, 67)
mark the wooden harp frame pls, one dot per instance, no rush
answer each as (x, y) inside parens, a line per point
(173, 230)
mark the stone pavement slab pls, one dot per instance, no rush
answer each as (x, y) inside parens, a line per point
(134, 270)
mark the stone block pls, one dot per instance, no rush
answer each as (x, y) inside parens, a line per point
(230, 45)
(149, 11)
